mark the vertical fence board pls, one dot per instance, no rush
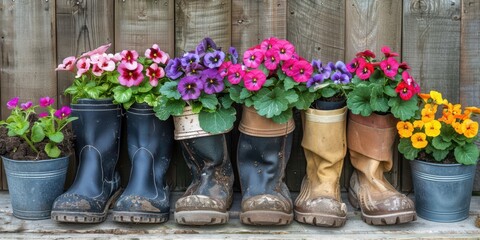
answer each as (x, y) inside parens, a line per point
(469, 61)
(253, 21)
(371, 24)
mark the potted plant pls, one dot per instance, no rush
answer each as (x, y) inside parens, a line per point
(325, 145)
(269, 84)
(97, 132)
(383, 92)
(444, 156)
(197, 98)
(35, 149)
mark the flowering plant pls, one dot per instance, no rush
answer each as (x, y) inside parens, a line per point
(332, 81)
(447, 139)
(272, 80)
(125, 76)
(196, 80)
(44, 130)
(382, 86)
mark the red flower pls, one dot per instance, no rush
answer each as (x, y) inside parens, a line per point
(352, 65)
(405, 91)
(364, 70)
(366, 54)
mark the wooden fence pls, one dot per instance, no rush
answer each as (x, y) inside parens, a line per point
(438, 38)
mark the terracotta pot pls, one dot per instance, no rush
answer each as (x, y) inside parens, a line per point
(259, 126)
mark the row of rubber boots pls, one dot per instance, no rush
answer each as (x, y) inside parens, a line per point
(262, 155)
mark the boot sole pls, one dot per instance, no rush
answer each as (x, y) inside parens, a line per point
(201, 217)
(140, 217)
(261, 218)
(85, 217)
(385, 219)
(321, 220)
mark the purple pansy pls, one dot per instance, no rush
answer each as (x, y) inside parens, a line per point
(205, 45)
(190, 87)
(340, 78)
(194, 69)
(174, 68)
(212, 81)
(233, 55)
(214, 59)
(26, 105)
(317, 78)
(189, 58)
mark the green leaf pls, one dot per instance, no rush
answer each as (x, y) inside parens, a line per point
(467, 154)
(378, 102)
(439, 155)
(245, 93)
(146, 87)
(196, 106)
(270, 102)
(288, 83)
(327, 92)
(169, 89)
(37, 133)
(358, 101)
(284, 116)
(406, 148)
(226, 101)
(218, 121)
(403, 110)
(305, 100)
(151, 100)
(269, 82)
(209, 101)
(248, 102)
(122, 94)
(440, 144)
(52, 150)
(56, 137)
(234, 93)
(93, 92)
(389, 91)
(290, 95)
(281, 75)
(167, 107)
(264, 69)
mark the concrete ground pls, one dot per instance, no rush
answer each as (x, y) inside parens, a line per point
(355, 228)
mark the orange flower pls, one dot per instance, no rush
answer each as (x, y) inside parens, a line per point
(418, 124)
(428, 114)
(457, 111)
(405, 129)
(432, 128)
(447, 114)
(473, 109)
(459, 128)
(424, 96)
(471, 128)
(419, 140)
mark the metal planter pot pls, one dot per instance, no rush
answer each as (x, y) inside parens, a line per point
(442, 191)
(34, 185)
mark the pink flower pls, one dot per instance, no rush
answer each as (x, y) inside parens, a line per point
(46, 101)
(96, 70)
(353, 65)
(223, 69)
(83, 65)
(42, 115)
(404, 66)
(12, 103)
(154, 73)
(157, 55)
(364, 70)
(105, 63)
(100, 50)
(63, 112)
(129, 58)
(388, 53)
(285, 49)
(115, 57)
(67, 65)
(410, 82)
(288, 66)
(253, 58)
(389, 67)
(235, 73)
(272, 59)
(268, 44)
(302, 71)
(254, 80)
(26, 105)
(130, 77)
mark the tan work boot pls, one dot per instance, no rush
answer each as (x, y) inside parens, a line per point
(370, 142)
(325, 145)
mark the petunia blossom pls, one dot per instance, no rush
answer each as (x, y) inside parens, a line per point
(12, 103)
(212, 81)
(46, 101)
(153, 73)
(254, 80)
(302, 71)
(130, 77)
(389, 67)
(272, 59)
(174, 68)
(253, 58)
(129, 59)
(83, 65)
(157, 55)
(68, 64)
(214, 59)
(63, 112)
(27, 105)
(190, 88)
(235, 73)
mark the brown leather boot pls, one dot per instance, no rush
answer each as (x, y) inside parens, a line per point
(325, 145)
(370, 142)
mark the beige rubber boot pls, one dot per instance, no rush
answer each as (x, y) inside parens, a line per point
(370, 142)
(325, 145)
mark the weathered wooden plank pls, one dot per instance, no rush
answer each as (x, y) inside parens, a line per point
(28, 51)
(469, 60)
(317, 29)
(195, 20)
(253, 21)
(371, 24)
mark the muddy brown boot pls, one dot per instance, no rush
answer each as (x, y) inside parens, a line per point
(263, 151)
(370, 142)
(325, 145)
(209, 195)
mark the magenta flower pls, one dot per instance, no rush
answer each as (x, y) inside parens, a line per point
(364, 70)
(42, 115)
(157, 55)
(154, 73)
(388, 53)
(253, 58)
(223, 69)
(410, 82)
(46, 101)
(100, 50)
(288, 66)
(129, 58)
(302, 71)
(212, 81)
(269, 43)
(96, 70)
(63, 112)
(254, 80)
(83, 65)
(130, 77)
(353, 65)
(27, 105)
(235, 74)
(272, 59)
(285, 49)
(190, 87)
(12, 103)
(389, 67)
(67, 65)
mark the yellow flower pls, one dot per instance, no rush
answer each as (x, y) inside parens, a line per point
(427, 115)
(419, 140)
(418, 124)
(447, 114)
(405, 129)
(432, 128)
(436, 96)
(459, 128)
(471, 128)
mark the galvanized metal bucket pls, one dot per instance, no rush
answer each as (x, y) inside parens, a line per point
(442, 191)
(34, 185)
